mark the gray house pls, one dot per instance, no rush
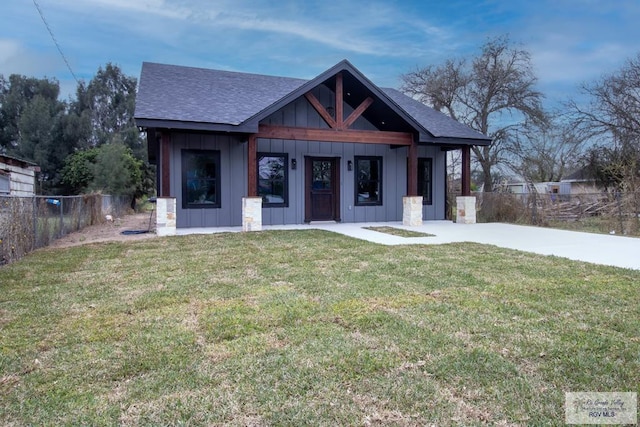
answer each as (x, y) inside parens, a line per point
(335, 148)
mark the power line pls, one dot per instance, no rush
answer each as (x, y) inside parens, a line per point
(46, 24)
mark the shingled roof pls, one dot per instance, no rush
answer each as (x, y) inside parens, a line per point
(202, 99)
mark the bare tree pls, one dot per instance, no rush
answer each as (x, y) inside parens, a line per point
(493, 93)
(611, 118)
(545, 154)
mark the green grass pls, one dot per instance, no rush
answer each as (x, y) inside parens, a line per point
(308, 328)
(398, 231)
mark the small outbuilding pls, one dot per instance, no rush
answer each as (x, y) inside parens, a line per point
(17, 177)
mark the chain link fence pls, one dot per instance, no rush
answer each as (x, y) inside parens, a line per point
(606, 212)
(28, 223)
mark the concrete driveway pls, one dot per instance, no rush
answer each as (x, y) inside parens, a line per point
(618, 251)
(602, 249)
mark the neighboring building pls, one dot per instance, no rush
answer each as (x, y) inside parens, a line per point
(17, 177)
(334, 148)
(580, 182)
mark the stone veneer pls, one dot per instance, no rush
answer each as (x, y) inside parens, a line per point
(251, 213)
(412, 210)
(166, 216)
(465, 210)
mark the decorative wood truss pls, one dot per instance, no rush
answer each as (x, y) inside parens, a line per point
(339, 128)
(339, 131)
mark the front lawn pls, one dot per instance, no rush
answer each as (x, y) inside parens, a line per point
(308, 328)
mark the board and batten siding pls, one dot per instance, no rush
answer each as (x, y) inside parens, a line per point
(21, 180)
(233, 179)
(299, 113)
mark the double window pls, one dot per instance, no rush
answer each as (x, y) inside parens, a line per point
(368, 180)
(273, 179)
(425, 180)
(200, 179)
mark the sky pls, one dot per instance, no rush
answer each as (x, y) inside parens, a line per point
(571, 42)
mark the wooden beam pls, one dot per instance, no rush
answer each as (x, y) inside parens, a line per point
(321, 110)
(334, 135)
(466, 170)
(165, 175)
(252, 167)
(412, 170)
(357, 112)
(339, 102)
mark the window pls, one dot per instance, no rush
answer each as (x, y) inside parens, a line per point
(368, 181)
(200, 179)
(273, 179)
(5, 187)
(425, 186)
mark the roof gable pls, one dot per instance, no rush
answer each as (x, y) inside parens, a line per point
(197, 98)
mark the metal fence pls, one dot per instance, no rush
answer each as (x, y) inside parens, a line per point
(28, 223)
(611, 212)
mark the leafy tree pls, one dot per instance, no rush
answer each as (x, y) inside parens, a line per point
(116, 170)
(492, 93)
(78, 171)
(110, 168)
(30, 120)
(15, 97)
(107, 106)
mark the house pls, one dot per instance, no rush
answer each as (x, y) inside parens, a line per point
(17, 177)
(230, 146)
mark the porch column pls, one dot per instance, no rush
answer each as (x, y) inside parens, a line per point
(252, 204)
(252, 158)
(412, 203)
(166, 216)
(165, 174)
(466, 171)
(412, 170)
(466, 204)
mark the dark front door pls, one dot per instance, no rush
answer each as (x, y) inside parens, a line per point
(322, 201)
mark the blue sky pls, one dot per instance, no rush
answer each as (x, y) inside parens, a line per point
(571, 41)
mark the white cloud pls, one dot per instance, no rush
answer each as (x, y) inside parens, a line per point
(15, 58)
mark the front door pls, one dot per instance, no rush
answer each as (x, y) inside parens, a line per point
(322, 201)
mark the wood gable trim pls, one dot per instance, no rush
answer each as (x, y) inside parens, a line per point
(357, 112)
(334, 135)
(339, 122)
(339, 127)
(339, 102)
(321, 110)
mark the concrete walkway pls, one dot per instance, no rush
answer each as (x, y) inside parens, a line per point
(603, 249)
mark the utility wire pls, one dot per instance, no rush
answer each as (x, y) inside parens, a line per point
(46, 24)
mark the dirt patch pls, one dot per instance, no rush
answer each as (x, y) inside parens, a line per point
(111, 231)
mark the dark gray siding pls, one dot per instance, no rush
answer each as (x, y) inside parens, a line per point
(301, 113)
(436, 210)
(233, 155)
(233, 176)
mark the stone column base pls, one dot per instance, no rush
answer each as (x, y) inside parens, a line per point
(251, 213)
(465, 210)
(412, 211)
(166, 216)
